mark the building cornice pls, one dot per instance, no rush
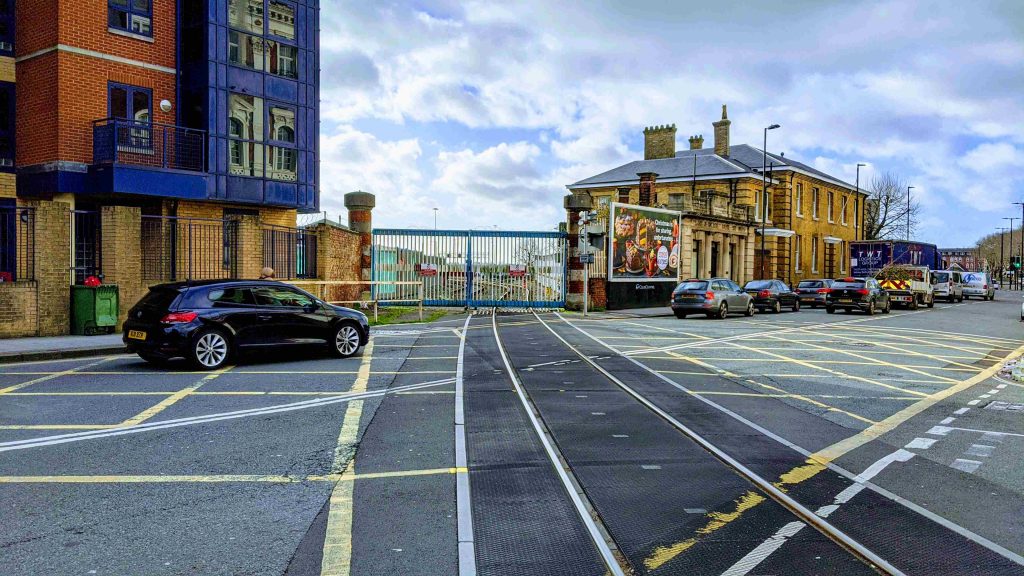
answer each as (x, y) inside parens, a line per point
(95, 54)
(683, 179)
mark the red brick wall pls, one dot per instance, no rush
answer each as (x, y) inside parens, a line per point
(64, 92)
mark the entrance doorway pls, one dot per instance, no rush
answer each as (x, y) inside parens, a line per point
(714, 260)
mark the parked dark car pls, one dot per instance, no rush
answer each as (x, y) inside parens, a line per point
(208, 322)
(714, 297)
(814, 292)
(858, 294)
(772, 295)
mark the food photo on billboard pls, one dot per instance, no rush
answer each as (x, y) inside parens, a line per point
(644, 243)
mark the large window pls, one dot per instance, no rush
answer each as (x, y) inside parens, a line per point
(7, 27)
(131, 16)
(814, 253)
(829, 206)
(842, 214)
(814, 203)
(6, 126)
(250, 133)
(799, 199)
(261, 43)
(797, 240)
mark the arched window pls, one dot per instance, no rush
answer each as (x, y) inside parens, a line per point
(235, 127)
(285, 134)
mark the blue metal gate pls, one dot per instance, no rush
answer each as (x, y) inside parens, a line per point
(474, 268)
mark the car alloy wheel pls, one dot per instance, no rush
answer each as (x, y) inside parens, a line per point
(211, 350)
(723, 310)
(346, 340)
(871, 308)
(776, 308)
(750, 309)
(888, 307)
(796, 306)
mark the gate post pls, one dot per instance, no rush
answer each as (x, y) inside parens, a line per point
(121, 253)
(574, 203)
(360, 220)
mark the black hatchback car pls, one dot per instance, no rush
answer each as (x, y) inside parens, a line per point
(772, 295)
(207, 322)
(857, 294)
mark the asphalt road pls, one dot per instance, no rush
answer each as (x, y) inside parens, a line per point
(430, 454)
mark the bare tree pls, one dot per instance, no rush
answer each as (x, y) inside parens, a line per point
(886, 209)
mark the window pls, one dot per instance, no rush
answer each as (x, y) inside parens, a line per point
(6, 126)
(842, 256)
(7, 27)
(829, 204)
(246, 44)
(814, 253)
(282, 150)
(131, 105)
(842, 215)
(796, 251)
(623, 195)
(231, 297)
(131, 16)
(245, 132)
(814, 203)
(799, 201)
(280, 296)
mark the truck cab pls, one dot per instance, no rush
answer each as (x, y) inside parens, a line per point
(910, 286)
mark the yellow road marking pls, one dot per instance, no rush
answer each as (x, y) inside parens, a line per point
(236, 372)
(337, 551)
(89, 393)
(937, 345)
(790, 395)
(172, 399)
(48, 376)
(904, 351)
(716, 521)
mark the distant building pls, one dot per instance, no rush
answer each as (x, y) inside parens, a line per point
(966, 258)
(811, 215)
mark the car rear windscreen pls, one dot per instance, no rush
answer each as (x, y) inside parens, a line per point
(692, 286)
(160, 298)
(758, 285)
(941, 276)
(841, 284)
(811, 284)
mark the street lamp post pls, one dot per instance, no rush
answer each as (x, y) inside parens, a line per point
(908, 212)
(1002, 243)
(860, 221)
(1013, 270)
(764, 191)
(1021, 204)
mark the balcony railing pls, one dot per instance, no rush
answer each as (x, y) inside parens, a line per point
(709, 206)
(121, 141)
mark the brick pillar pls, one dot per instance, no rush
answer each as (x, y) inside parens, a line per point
(53, 266)
(647, 196)
(249, 247)
(360, 220)
(574, 203)
(121, 252)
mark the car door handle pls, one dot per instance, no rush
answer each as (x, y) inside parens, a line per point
(266, 317)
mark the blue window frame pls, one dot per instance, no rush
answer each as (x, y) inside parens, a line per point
(131, 108)
(262, 36)
(134, 16)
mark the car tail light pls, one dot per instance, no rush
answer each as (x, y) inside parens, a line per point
(709, 295)
(863, 291)
(824, 290)
(764, 294)
(179, 318)
(984, 286)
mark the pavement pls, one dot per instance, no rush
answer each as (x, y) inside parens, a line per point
(534, 444)
(54, 347)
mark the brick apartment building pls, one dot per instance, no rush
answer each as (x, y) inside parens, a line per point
(156, 140)
(811, 215)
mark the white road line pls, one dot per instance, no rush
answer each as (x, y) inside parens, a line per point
(963, 465)
(921, 443)
(961, 411)
(848, 494)
(980, 450)
(178, 422)
(900, 455)
(764, 550)
(948, 420)
(464, 511)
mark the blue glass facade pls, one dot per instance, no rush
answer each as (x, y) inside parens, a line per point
(249, 77)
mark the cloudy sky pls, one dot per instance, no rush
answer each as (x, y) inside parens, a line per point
(486, 110)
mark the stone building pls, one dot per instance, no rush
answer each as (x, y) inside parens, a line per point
(811, 216)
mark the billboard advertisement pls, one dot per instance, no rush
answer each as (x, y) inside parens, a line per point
(869, 257)
(643, 244)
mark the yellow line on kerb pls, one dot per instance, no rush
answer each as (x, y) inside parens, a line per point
(172, 399)
(337, 553)
(816, 463)
(215, 478)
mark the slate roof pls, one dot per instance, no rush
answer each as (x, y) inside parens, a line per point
(743, 159)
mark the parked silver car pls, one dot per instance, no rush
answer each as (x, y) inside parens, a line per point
(948, 285)
(978, 285)
(713, 297)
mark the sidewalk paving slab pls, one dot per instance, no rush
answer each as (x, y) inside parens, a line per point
(57, 347)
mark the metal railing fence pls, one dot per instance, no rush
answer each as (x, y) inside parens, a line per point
(17, 244)
(87, 232)
(291, 252)
(122, 141)
(178, 248)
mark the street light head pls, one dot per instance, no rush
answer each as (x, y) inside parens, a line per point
(861, 164)
(773, 127)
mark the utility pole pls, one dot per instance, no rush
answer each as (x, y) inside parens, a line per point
(1016, 274)
(908, 212)
(764, 190)
(858, 217)
(1002, 243)
(1021, 204)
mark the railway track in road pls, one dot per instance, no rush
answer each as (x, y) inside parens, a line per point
(581, 453)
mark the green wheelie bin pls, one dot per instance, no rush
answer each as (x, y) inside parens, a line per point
(94, 309)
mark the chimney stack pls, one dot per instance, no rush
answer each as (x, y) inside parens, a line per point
(660, 142)
(647, 194)
(697, 142)
(722, 134)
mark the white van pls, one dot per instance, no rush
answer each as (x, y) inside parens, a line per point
(948, 285)
(978, 285)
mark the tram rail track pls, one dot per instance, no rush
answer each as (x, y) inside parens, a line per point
(801, 512)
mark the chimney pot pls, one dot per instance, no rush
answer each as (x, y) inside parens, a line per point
(722, 134)
(697, 142)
